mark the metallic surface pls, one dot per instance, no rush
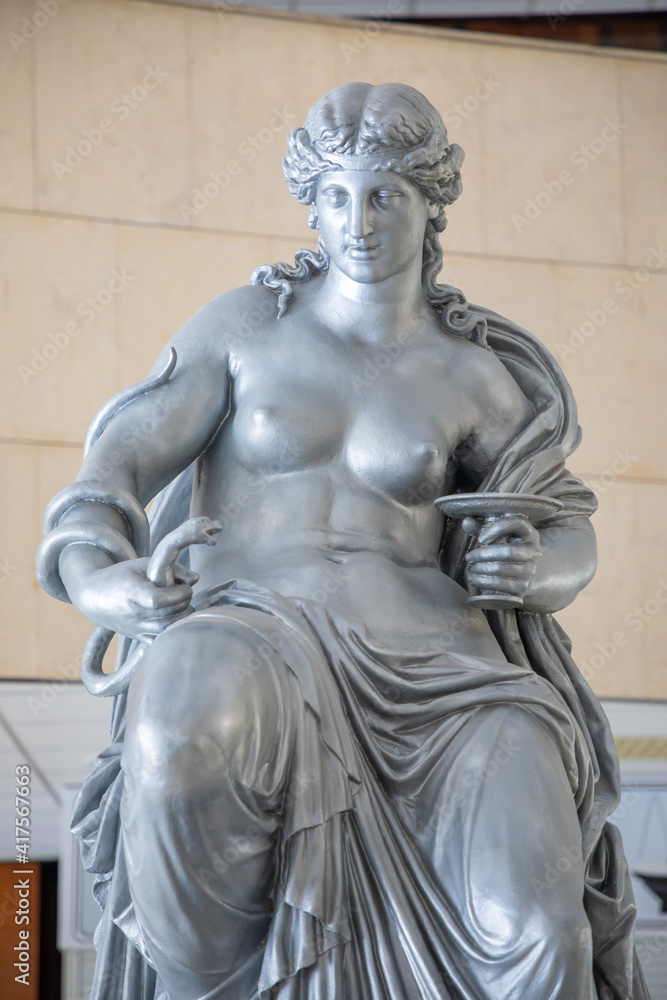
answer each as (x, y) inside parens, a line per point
(163, 570)
(111, 408)
(103, 537)
(496, 517)
(335, 778)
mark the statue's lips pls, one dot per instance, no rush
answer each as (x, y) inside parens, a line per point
(362, 251)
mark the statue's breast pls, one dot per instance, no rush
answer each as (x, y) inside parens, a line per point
(301, 427)
(389, 438)
(399, 454)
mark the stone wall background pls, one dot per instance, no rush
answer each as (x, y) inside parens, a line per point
(115, 113)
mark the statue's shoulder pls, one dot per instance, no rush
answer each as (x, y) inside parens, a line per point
(248, 304)
(227, 320)
(470, 360)
(482, 376)
(527, 361)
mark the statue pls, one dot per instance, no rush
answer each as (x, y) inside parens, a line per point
(331, 774)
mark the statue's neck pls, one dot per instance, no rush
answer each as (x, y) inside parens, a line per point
(376, 310)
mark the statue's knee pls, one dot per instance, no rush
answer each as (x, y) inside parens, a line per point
(206, 697)
(557, 927)
(552, 908)
(563, 931)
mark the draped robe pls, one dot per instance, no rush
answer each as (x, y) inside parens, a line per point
(352, 886)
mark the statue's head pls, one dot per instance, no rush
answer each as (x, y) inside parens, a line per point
(387, 127)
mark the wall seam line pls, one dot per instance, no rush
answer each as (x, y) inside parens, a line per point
(303, 239)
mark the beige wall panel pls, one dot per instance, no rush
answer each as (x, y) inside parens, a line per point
(93, 54)
(18, 650)
(619, 623)
(253, 81)
(45, 635)
(177, 272)
(16, 184)
(50, 386)
(643, 104)
(616, 369)
(551, 104)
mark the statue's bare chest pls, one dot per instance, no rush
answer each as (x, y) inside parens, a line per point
(385, 420)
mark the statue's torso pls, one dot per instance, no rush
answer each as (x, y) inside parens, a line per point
(325, 470)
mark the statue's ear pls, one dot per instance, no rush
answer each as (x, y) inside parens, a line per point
(433, 209)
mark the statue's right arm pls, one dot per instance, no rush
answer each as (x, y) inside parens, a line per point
(145, 446)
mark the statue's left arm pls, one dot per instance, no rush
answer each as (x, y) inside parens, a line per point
(547, 567)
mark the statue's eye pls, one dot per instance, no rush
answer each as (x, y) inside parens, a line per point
(336, 197)
(386, 198)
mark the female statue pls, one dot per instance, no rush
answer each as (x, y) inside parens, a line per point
(335, 777)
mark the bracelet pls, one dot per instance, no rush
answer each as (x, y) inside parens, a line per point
(120, 500)
(76, 533)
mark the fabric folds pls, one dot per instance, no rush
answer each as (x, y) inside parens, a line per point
(359, 913)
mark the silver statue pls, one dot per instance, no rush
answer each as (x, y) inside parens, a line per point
(330, 774)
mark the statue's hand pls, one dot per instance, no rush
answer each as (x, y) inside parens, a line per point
(120, 597)
(506, 555)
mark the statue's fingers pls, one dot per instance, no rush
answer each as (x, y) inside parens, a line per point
(518, 571)
(173, 598)
(488, 582)
(158, 621)
(509, 552)
(516, 526)
(472, 525)
(164, 614)
(159, 600)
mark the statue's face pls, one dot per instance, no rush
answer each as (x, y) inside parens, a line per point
(372, 222)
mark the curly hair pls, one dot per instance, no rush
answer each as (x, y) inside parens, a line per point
(396, 128)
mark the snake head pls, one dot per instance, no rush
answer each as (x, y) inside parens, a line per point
(197, 531)
(203, 530)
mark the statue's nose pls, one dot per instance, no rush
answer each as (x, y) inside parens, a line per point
(360, 223)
